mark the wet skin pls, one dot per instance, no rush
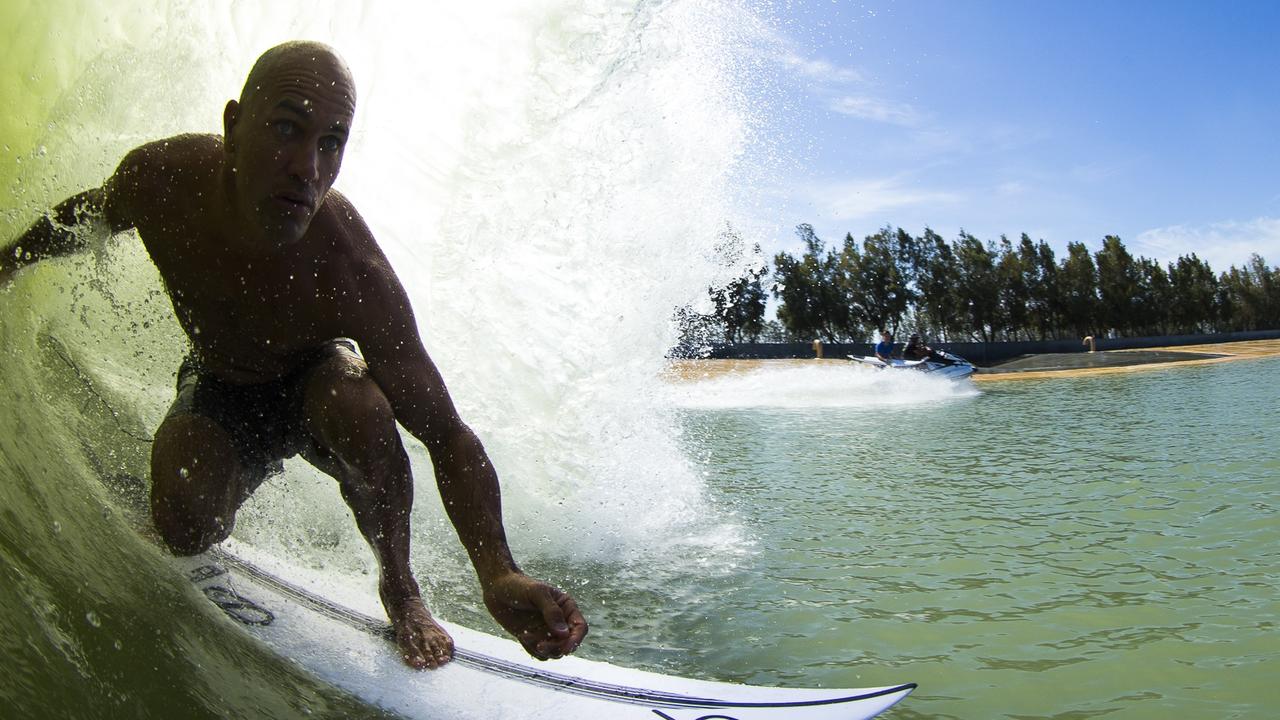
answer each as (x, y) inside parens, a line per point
(264, 262)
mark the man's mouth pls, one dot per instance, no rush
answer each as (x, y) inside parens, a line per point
(294, 201)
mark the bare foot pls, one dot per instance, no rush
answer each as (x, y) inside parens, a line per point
(424, 645)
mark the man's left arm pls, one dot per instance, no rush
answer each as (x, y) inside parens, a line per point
(543, 618)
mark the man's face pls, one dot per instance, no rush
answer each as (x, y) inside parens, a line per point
(286, 147)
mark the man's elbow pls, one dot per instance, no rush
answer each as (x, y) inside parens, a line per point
(446, 435)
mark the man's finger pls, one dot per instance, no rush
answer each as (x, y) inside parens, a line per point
(546, 599)
(577, 623)
(550, 649)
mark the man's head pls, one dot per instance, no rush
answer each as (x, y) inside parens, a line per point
(285, 137)
(885, 336)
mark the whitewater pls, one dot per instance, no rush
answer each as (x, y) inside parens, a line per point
(550, 180)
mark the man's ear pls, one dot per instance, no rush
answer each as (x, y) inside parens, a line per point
(230, 116)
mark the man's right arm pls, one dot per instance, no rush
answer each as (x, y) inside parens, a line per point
(71, 224)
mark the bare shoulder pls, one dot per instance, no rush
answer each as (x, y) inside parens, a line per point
(159, 171)
(174, 156)
(354, 241)
(343, 212)
(382, 298)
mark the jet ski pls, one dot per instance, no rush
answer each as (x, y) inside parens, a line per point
(939, 364)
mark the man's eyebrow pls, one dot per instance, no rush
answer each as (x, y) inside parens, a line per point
(303, 111)
(294, 107)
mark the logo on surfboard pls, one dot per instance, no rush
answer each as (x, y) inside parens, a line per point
(235, 605)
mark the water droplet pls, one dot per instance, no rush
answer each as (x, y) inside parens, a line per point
(93, 619)
(118, 645)
(184, 473)
(57, 527)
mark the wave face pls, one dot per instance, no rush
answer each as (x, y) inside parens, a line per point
(549, 179)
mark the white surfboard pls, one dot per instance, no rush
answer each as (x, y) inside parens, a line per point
(490, 677)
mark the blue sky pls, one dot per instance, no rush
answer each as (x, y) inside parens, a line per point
(1155, 121)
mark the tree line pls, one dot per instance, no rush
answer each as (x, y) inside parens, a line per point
(969, 290)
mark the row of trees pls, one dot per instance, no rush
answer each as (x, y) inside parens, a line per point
(967, 289)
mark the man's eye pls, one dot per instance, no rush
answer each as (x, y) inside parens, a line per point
(330, 143)
(284, 128)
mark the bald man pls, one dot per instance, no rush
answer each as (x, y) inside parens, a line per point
(302, 342)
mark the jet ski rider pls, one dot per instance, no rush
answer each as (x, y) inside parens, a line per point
(917, 350)
(884, 348)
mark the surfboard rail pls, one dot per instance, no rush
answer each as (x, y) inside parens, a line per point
(501, 665)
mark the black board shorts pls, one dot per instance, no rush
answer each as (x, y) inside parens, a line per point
(265, 421)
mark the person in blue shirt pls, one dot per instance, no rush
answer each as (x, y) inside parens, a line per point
(884, 348)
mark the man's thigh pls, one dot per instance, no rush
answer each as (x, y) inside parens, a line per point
(345, 414)
(227, 436)
(197, 483)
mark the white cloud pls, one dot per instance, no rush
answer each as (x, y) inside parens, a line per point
(869, 108)
(819, 70)
(1012, 188)
(832, 80)
(849, 200)
(1221, 244)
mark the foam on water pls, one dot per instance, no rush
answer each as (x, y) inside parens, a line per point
(825, 385)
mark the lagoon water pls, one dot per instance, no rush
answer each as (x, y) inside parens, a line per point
(1067, 548)
(1059, 548)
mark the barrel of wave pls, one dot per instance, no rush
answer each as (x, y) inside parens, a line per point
(521, 195)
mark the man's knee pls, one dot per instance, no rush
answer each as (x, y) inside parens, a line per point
(348, 412)
(194, 481)
(192, 453)
(188, 534)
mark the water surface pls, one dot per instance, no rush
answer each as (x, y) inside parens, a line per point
(1056, 548)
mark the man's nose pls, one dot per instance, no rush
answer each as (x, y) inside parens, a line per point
(304, 164)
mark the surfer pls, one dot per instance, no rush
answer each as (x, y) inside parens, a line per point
(302, 342)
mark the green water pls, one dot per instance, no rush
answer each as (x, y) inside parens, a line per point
(1067, 548)
(1059, 548)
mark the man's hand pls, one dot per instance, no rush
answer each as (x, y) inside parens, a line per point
(545, 619)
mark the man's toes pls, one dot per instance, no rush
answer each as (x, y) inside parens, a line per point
(442, 651)
(415, 660)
